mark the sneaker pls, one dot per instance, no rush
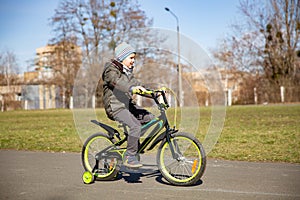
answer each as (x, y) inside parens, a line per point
(132, 162)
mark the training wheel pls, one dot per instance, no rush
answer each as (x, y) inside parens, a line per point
(88, 177)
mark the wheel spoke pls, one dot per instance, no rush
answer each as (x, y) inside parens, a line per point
(189, 166)
(97, 157)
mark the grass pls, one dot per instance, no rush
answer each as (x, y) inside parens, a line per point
(250, 133)
(260, 133)
(43, 130)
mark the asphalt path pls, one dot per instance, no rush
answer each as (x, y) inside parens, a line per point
(57, 176)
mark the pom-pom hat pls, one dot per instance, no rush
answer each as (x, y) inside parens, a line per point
(123, 50)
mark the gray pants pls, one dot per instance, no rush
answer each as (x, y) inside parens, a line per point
(134, 120)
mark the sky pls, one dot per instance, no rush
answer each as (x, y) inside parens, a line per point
(24, 24)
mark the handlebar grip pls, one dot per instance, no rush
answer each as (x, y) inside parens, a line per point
(135, 91)
(139, 91)
(147, 92)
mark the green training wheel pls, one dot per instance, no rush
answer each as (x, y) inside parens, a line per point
(88, 177)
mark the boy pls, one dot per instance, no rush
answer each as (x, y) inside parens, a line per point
(118, 85)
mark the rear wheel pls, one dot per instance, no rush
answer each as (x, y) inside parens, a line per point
(99, 158)
(189, 164)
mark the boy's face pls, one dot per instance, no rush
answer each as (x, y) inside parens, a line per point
(129, 61)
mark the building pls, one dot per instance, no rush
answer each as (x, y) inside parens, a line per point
(231, 82)
(41, 90)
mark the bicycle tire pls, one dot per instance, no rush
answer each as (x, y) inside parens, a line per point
(108, 166)
(190, 165)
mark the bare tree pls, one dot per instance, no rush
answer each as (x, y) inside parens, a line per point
(282, 41)
(266, 43)
(8, 77)
(98, 25)
(66, 62)
(8, 68)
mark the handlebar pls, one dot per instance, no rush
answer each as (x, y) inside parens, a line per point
(149, 91)
(154, 94)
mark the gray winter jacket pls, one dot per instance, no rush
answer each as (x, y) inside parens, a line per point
(116, 88)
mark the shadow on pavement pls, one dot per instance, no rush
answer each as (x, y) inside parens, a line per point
(134, 176)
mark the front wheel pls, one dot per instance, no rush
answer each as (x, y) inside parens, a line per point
(188, 163)
(100, 158)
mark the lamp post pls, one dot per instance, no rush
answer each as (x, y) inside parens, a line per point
(178, 64)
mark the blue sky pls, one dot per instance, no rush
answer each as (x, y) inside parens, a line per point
(24, 24)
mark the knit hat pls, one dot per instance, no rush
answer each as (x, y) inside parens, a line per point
(123, 50)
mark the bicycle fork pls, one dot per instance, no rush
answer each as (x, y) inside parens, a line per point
(174, 148)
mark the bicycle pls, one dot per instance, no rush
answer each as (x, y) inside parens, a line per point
(180, 157)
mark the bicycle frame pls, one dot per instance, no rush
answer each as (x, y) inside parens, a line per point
(154, 137)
